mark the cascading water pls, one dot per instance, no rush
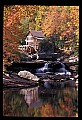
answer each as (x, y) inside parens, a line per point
(62, 70)
(52, 68)
(59, 69)
(43, 69)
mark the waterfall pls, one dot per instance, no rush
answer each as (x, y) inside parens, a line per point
(58, 69)
(43, 69)
(63, 66)
(62, 70)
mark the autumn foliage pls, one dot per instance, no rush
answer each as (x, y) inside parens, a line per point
(19, 19)
(47, 111)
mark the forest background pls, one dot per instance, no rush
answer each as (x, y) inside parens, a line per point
(59, 22)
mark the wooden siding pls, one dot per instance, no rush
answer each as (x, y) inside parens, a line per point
(35, 42)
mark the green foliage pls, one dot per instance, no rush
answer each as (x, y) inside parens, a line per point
(22, 42)
(64, 21)
(46, 46)
(22, 56)
(51, 20)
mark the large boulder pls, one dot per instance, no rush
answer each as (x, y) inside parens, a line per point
(28, 75)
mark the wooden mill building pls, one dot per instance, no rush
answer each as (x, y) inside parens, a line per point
(33, 38)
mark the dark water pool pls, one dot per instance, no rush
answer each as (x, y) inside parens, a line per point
(40, 102)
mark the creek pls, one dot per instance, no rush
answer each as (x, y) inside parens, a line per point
(43, 100)
(40, 102)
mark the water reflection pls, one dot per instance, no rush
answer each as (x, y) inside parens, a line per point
(41, 102)
(30, 95)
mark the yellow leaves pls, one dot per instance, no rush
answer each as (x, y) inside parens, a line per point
(62, 27)
(77, 32)
(60, 37)
(31, 14)
(68, 23)
(77, 44)
(76, 114)
(65, 21)
(55, 19)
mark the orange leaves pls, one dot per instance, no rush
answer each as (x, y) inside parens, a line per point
(62, 19)
(18, 19)
(12, 19)
(65, 108)
(62, 105)
(66, 99)
(12, 27)
(53, 20)
(47, 111)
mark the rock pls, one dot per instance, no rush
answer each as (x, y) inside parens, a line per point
(76, 76)
(72, 67)
(77, 83)
(73, 59)
(28, 75)
(71, 78)
(7, 74)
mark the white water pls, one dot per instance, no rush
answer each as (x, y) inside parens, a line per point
(61, 71)
(43, 69)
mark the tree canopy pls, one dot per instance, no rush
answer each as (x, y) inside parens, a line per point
(52, 20)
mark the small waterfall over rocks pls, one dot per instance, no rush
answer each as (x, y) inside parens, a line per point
(62, 70)
(43, 69)
(58, 69)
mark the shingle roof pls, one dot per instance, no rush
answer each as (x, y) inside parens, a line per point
(37, 33)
